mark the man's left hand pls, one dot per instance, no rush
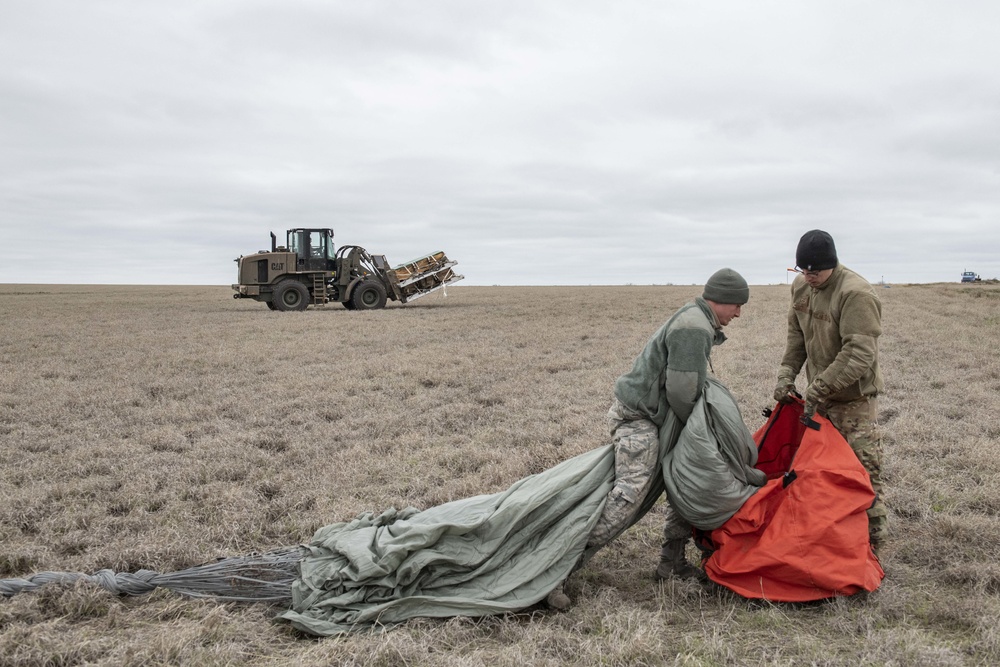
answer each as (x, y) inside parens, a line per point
(816, 393)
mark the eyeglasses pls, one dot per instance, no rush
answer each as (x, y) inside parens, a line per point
(807, 274)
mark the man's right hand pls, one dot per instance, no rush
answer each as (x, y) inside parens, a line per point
(784, 391)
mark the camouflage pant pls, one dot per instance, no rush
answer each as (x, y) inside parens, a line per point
(637, 458)
(857, 421)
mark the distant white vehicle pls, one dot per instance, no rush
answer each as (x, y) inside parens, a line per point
(970, 277)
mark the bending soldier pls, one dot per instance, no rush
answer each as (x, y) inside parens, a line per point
(667, 376)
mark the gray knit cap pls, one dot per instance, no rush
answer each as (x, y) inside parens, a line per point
(726, 286)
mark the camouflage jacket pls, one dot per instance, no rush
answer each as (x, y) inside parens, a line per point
(672, 368)
(834, 330)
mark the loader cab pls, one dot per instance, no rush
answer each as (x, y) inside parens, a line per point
(313, 248)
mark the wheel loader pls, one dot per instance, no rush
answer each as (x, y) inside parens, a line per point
(310, 270)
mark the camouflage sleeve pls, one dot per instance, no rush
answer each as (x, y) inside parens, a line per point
(860, 327)
(795, 347)
(687, 368)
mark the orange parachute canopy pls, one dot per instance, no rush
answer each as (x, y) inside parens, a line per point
(804, 535)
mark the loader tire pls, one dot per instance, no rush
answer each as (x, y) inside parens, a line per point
(290, 295)
(369, 295)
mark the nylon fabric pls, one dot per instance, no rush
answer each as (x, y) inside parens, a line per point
(481, 555)
(804, 536)
(709, 472)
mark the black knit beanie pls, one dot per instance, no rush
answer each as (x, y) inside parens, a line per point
(726, 286)
(816, 251)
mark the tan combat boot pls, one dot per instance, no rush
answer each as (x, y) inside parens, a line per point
(674, 564)
(878, 530)
(558, 600)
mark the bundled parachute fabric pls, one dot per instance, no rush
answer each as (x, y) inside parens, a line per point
(496, 553)
(804, 536)
(708, 464)
(482, 555)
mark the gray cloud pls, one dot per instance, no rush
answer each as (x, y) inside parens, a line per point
(553, 143)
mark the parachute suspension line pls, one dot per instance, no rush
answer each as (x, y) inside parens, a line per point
(253, 578)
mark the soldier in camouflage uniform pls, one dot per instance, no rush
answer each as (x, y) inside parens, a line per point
(667, 376)
(834, 323)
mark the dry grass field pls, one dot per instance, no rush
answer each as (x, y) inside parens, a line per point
(162, 427)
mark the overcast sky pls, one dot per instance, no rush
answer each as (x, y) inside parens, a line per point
(569, 142)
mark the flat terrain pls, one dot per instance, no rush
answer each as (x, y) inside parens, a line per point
(162, 427)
